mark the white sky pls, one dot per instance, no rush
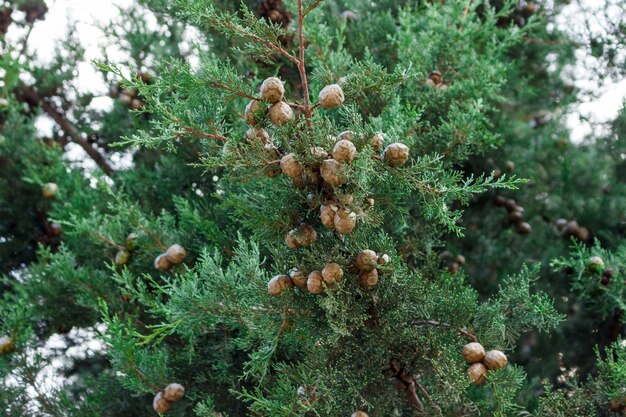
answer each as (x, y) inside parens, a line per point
(608, 98)
(89, 13)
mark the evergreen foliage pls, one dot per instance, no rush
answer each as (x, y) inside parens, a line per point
(80, 267)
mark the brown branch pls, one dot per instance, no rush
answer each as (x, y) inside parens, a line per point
(320, 55)
(406, 382)
(465, 12)
(426, 187)
(153, 237)
(41, 398)
(541, 41)
(25, 40)
(76, 138)
(255, 38)
(109, 241)
(68, 128)
(458, 140)
(418, 182)
(312, 6)
(429, 398)
(143, 377)
(190, 130)
(302, 66)
(286, 312)
(462, 331)
(283, 325)
(232, 90)
(413, 399)
(295, 106)
(204, 135)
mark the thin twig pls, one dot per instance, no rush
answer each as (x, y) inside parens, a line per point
(76, 138)
(413, 398)
(541, 41)
(302, 67)
(462, 331)
(69, 130)
(287, 312)
(320, 55)
(109, 241)
(232, 90)
(312, 6)
(255, 38)
(426, 187)
(153, 237)
(190, 130)
(143, 377)
(421, 184)
(204, 135)
(25, 40)
(283, 325)
(418, 182)
(295, 105)
(41, 398)
(429, 398)
(465, 12)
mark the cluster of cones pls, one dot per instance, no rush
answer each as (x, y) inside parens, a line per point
(481, 363)
(367, 265)
(130, 96)
(516, 214)
(164, 400)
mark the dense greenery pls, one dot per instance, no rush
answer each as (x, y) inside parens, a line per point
(477, 93)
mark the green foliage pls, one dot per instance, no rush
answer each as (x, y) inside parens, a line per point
(605, 297)
(197, 180)
(523, 309)
(562, 403)
(611, 380)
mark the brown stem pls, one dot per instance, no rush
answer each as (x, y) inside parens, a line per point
(418, 182)
(109, 241)
(413, 399)
(429, 398)
(204, 135)
(541, 41)
(465, 12)
(76, 138)
(68, 128)
(232, 90)
(271, 46)
(320, 55)
(407, 382)
(143, 377)
(312, 6)
(295, 106)
(426, 187)
(41, 398)
(462, 331)
(283, 326)
(25, 40)
(302, 67)
(375, 315)
(286, 312)
(153, 237)
(190, 130)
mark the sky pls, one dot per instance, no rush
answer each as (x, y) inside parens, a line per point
(610, 97)
(90, 14)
